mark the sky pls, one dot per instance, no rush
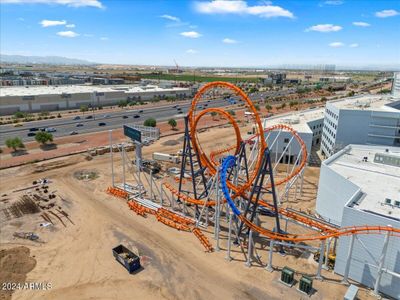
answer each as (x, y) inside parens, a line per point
(205, 33)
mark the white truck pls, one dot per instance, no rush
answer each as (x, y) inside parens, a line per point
(165, 157)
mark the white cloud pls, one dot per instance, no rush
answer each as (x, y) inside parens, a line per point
(325, 28)
(49, 23)
(171, 18)
(68, 34)
(334, 2)
(361, 24)
(70, 25)
(72, 3)
(354, 45)
(336, 44)
(192, 51)
(229, 41)
(386, 13)
(191, 34)
(21, 19)
(104, 38)
(241, 7)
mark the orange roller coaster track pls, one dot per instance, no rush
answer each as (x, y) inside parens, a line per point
(326, 230)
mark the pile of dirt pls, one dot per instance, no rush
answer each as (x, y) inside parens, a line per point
(86, 175)
(15, 263)
(170, 143)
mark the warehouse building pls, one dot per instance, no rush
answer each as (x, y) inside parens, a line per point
(51, 98)
(360, 185)
(366, 120)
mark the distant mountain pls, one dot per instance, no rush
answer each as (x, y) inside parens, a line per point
(51, 60)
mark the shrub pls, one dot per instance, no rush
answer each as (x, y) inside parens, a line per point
(150, 122)
(15, 143)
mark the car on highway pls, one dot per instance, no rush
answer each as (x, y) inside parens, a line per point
(106, 116)
(50, 129)
(79, 125)
(77, 118)
(33, 129)
(89, 117)
(124, 117)
(73, 133)
(18, 125)
(31, 134)
(140, 111)
(136, 116)
(102, 124)
(175, 106)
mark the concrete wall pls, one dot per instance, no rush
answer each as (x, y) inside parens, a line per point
(334, 191)
(367, 250)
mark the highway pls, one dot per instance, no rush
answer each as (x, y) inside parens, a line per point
(112, 120)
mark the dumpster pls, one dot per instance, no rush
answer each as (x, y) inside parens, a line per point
(126, 258)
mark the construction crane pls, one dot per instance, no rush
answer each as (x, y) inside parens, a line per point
(177, 67)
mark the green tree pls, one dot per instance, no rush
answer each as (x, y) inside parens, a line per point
(150, 122)
(83, 109)
(172, 123)
(43, 137)
(19, 115)
(268, 107)
(257, 107)
(213, 114)
(323, 99)
(122, 103)
(231, 112)
(15, 143)
(351, 94)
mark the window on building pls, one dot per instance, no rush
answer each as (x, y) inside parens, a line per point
(286, 140)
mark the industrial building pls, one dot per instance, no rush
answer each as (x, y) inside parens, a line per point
(366, 120)
(46, 98)
(361, 185)
(308, 124)
(396, 85)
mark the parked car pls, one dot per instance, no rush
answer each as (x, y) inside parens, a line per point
(79, 125)
(73, 133)
(77, 118)
(136, 116)
(31, 134)
(102, 124)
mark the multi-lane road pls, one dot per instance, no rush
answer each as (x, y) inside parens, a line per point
(112, 120)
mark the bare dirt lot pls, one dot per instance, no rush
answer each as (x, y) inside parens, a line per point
(76, 258)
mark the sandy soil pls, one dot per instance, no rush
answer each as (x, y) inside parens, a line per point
(77, 259)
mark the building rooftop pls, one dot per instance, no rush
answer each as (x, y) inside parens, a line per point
(297, 120)
(378, 178)
(75, 89)
(367, 102)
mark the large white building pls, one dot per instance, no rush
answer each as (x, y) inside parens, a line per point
(360, 185)
(367, 120)
(396, 85)
(307, 123)
(45, 98)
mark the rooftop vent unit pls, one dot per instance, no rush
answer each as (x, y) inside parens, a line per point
(387, 159)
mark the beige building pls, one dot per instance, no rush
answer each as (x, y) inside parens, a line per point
(46, 98)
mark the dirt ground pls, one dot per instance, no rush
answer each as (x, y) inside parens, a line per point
(77, 259)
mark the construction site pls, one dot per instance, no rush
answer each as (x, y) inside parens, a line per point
(218, 212)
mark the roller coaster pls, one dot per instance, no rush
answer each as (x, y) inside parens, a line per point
(239, 183)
